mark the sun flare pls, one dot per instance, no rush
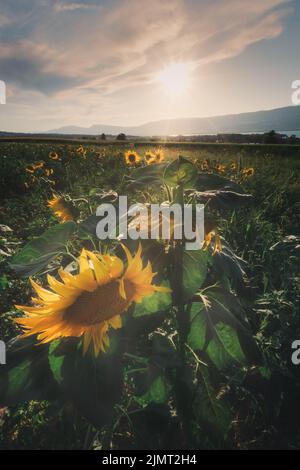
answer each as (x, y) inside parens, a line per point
(175, 79)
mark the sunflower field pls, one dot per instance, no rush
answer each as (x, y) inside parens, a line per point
(123, 344)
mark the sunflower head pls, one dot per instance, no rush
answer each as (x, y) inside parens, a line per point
(38, 165)
(61, 208)
(233, 166)
(149, 157)
(80, 149)
(159, 156)
(205, 165)
(54, 156)
(131, 157)
(49, 171)
(30, 169)
(89, 303)
(247, 172)
(220, 168)
(213, 236)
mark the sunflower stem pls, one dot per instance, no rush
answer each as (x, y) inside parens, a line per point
(182, 391)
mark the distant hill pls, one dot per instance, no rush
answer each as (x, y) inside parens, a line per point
(280, 119)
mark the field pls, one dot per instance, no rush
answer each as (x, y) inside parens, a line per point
(205, 366)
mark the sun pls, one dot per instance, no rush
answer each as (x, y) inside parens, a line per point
(175, 78)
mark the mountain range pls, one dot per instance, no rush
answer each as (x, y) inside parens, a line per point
(279, 119)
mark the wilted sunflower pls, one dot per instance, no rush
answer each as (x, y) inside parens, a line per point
(60, 208)
(159, 156)
(217, 241)
(89, 303)
(54, 156)
(248, 172)
(131, 157)
(149, 157)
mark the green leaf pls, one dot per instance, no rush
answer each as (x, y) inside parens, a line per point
(218, 327)
(147, 175)
(212, 412)
(87, 228)
(289, 244)
(224, 349)
(154, 303)
(150, 382)
(198, 326)
(227, 263)
(181, 172)
(194, 265)
(3, 282)
(37, 254)
(26, 374)
(211, 181)
(163, 352)
(228, 337)
(158, 391)
(93, 384)
(220, 199)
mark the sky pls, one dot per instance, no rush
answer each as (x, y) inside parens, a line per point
(127, 62)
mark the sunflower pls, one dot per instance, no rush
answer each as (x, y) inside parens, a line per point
(54, 156)
(233, 166)
(217, 241)
(205, 165)
(80, 149)
(159, 156)
(247, 172)
(149, 157)
(89, 303)
(131, 157)
(61, 208)
(49, 171)
(38, 165)
(220, 168)
(30, 169)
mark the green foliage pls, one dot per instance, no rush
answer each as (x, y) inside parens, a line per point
(213, 413)
(208, 182)
(214, 366)
(194, 266)
(93, 384)
(181, 172)
(38, 253)
(219, 332)
(26, 375)
(147, 175)
(220, 200)
(153, 303)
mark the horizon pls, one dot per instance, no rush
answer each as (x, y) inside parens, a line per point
(128, 70)
(119, 128)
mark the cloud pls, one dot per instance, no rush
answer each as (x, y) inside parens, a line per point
(78, 53)
(113, 45)
(72, 6)
(4, 21)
